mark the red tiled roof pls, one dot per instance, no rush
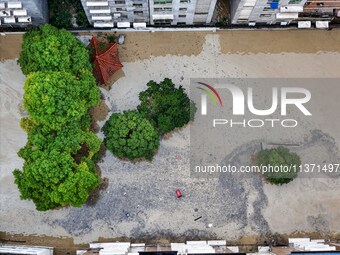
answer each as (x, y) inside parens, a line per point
(105, 59)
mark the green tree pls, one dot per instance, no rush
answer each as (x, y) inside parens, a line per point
(75, 189)
(61, 10)
(59, 166)
(166, 106)
(60, 15)
(54, 99)
(130, 135)
(58, 171)
(70, 140)
(52, 180)
(279, 156)
(82, 19)
(50, 49)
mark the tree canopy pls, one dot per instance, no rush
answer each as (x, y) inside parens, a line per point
(60, 89)
(166, 106)
(57, 98)
(130, 135)
(50, 49)
(279, 156)
(58, 168)
(53, 160)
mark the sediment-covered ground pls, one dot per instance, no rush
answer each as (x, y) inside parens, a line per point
(140, 199)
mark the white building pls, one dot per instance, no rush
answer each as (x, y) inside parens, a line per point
(23, 12)
(190, 247)
(304, 13)
(310, 245)
(124, 13)
(252, 12)
(26, 250)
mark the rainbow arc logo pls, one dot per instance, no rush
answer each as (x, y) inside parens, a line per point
(212, 93)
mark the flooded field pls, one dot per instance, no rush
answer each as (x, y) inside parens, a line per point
(230, 208)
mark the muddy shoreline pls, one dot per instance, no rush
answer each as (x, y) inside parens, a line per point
(137, 44)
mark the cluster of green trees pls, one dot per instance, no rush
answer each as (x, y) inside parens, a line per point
(278, 157)
(135, 134)
(60, 89)
(61, 13)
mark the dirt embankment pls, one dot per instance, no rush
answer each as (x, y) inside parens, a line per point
(10, 46)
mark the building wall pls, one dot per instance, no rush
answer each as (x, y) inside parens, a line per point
(260, 12)
(38, 9)
(156, 12)
(120, 11)
(36, 12)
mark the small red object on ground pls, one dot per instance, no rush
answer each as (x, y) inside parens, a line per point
(178, 193)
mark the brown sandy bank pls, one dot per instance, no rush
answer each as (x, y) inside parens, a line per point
(143, 45)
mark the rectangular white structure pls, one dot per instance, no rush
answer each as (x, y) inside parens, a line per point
(21, 12)
(80, 252)
(263, 249)
(330, 248)
(2, 5)
(101, 24)
(113, 252)
(100, 11)
(104, 18)
(304, 24)
(180, 247)
(14, 5)
(305, 244)
(291, 8)
(293, 241)
(163, 17)
(287, 15)
(245, 13)
(196, 242)
(138, 245)
(322, 24)
(5, 13)
(123, 24)
(249, 3)
(234, 249)
(217, 242)
(31, 250)
(9, 20)
(139, 25)
(27, 19)
(200, 249)
(97, 3)
(109, 245)
(318, 240)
